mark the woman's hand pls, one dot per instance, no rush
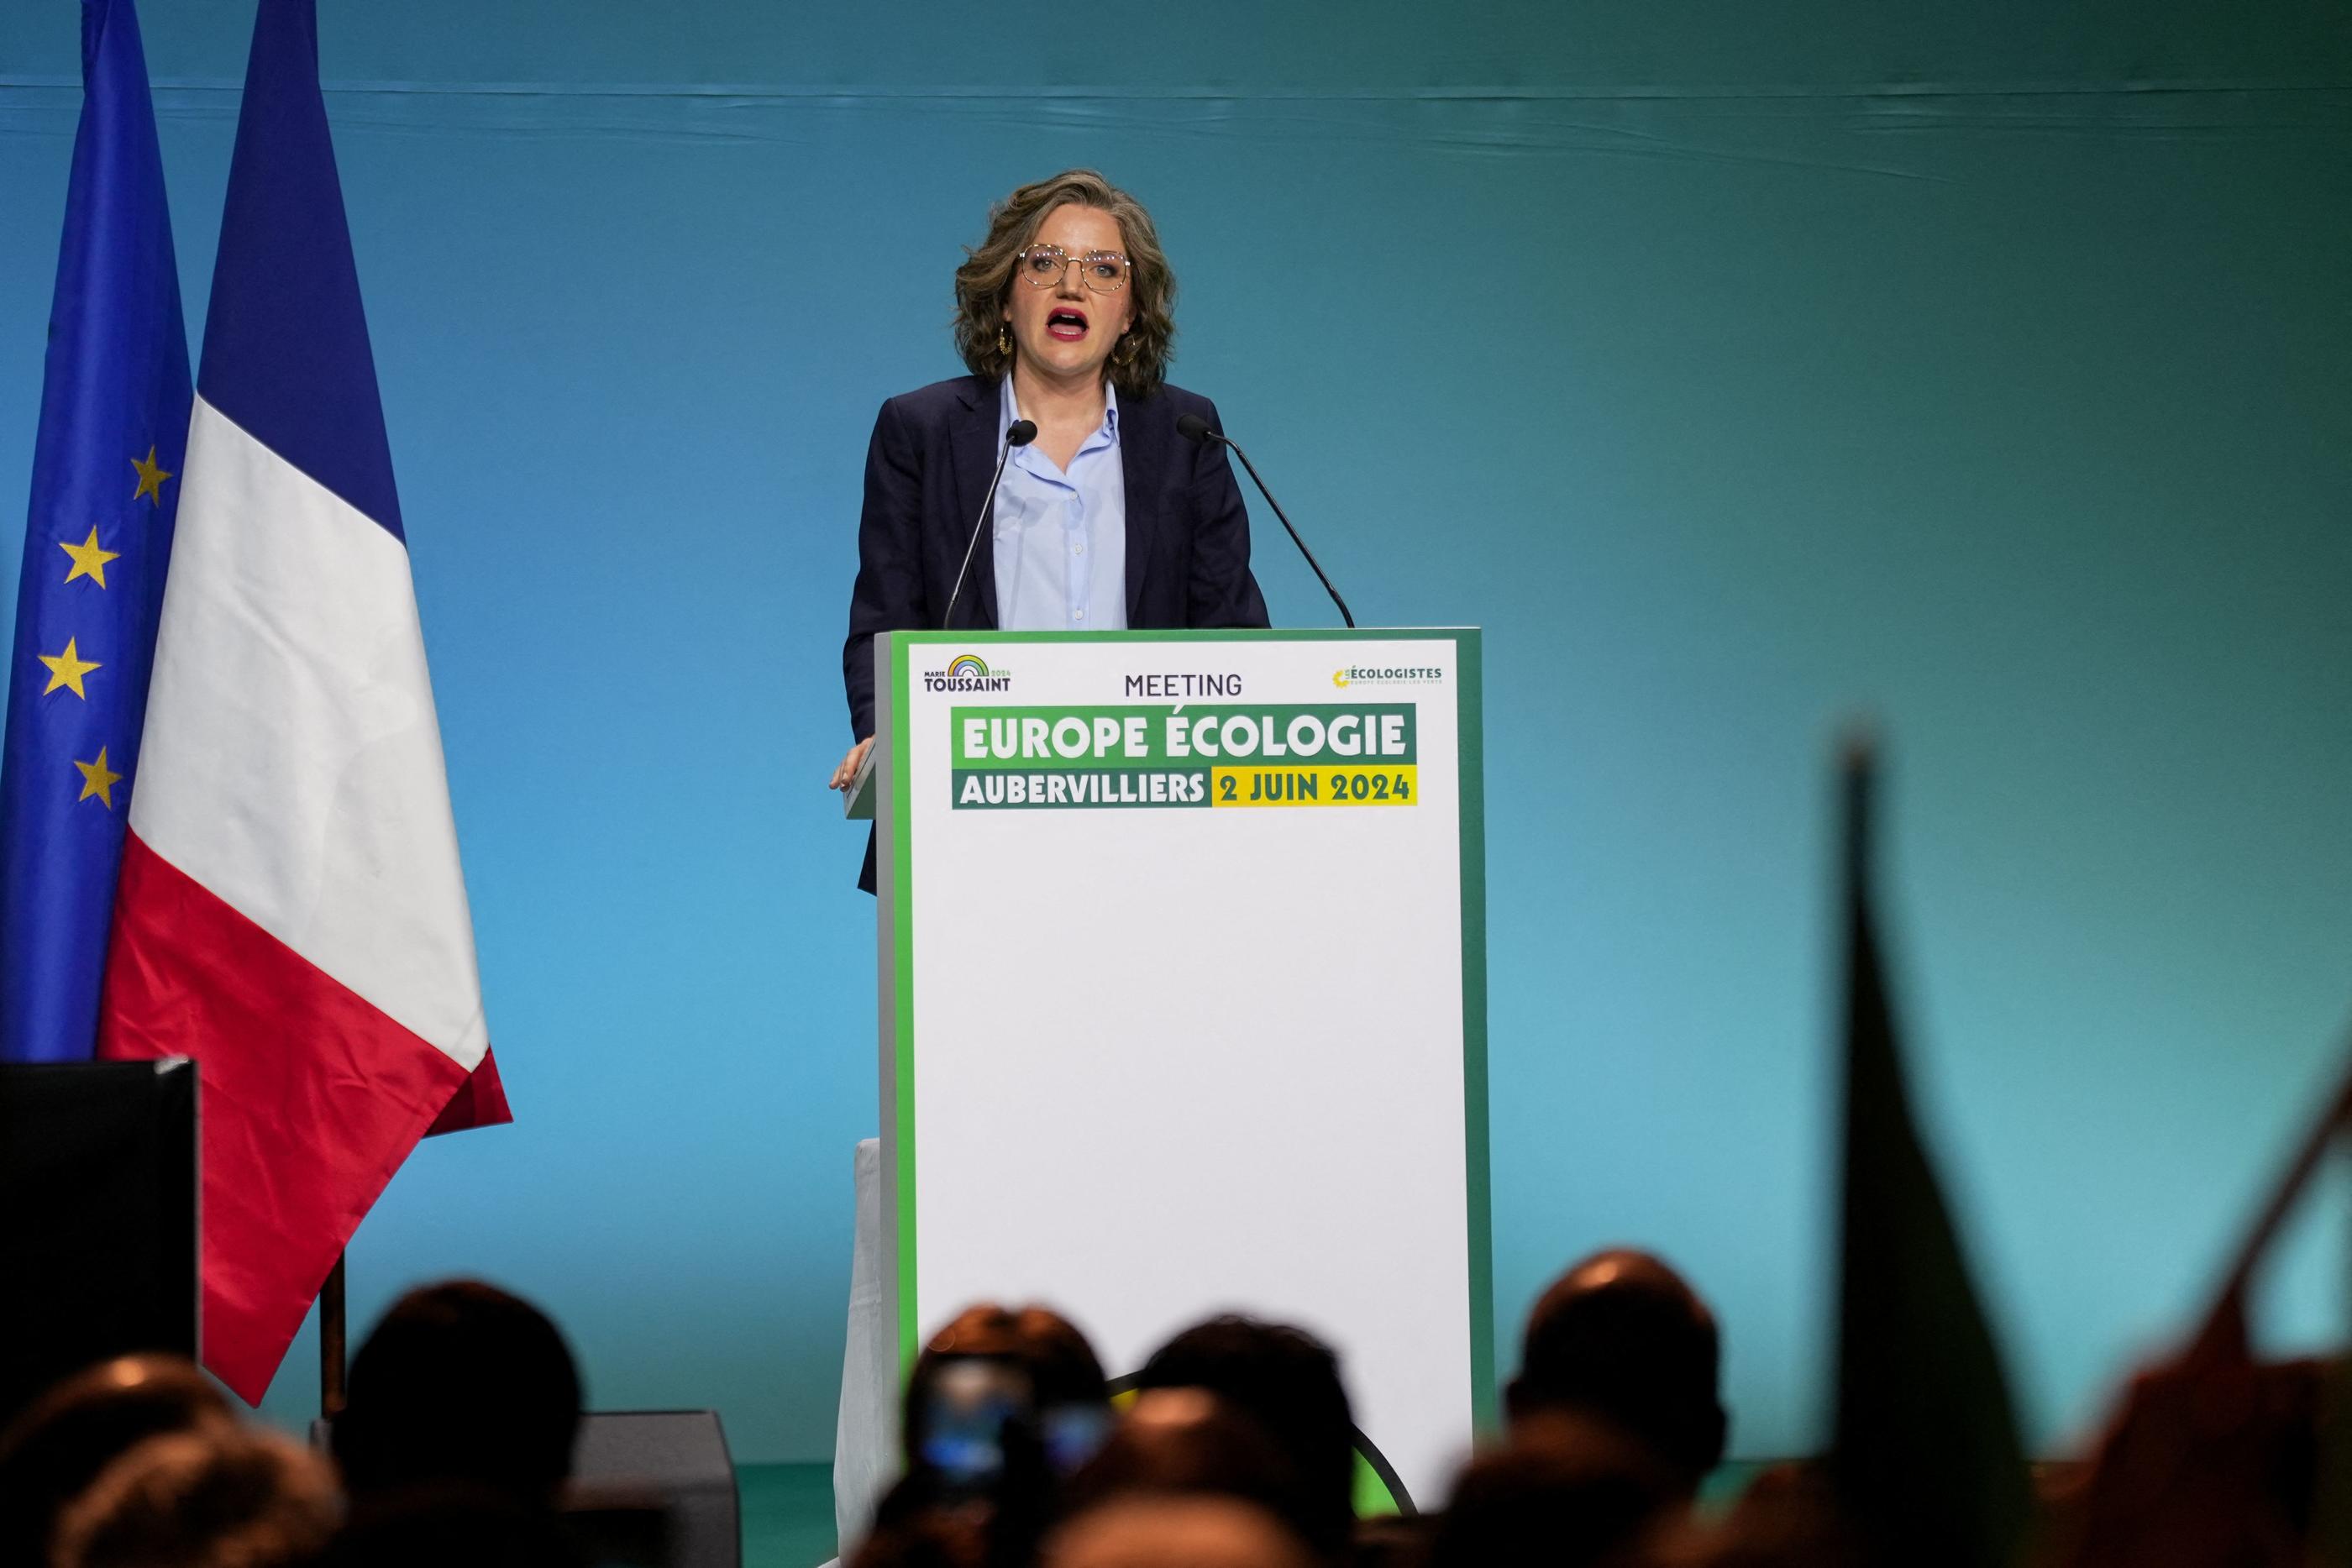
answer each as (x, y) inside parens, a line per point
(847, 774)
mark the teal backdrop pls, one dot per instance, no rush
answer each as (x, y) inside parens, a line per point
(1740, 368)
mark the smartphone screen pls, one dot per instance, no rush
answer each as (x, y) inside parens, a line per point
(971, 1401)
(1073, 1434)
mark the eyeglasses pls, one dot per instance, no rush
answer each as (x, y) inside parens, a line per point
(1043, 266)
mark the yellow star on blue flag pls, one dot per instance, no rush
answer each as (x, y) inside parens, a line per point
(67, 670)
(97, 779)
(152, 475)
(88, 561)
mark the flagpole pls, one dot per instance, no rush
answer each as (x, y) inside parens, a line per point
(2222, 1318)
(330, 1341)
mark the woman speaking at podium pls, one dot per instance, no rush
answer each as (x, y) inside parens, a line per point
(1108, 517)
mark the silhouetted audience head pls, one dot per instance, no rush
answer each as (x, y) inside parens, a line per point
(215, 1496)
(929, 1538)
(1562, 1492)
(1184, 1442)
(461, 1382)
(1788, 1518)
(59, 1446)
(2212, 1456)
(1623, 1337)
(1004, 1404)
(1049, 1370)
(1199, 1531)
(452, 1525)
(1286, 1381)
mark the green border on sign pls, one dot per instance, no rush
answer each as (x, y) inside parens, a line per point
(902, 881)
(1470, 738)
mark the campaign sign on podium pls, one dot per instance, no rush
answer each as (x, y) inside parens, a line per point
(1183, 998)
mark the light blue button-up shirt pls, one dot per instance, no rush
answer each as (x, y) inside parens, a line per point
(1060, 535)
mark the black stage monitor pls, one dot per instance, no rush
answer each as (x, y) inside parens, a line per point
(97, 1217)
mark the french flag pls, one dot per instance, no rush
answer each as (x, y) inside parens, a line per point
(291, 912)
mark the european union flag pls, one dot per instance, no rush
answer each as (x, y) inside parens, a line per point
(114, 422)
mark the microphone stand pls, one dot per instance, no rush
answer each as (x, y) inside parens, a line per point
(1193, 427)
(1286, 528)
(1020, 434)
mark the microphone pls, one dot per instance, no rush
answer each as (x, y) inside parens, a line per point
(1021, 433)
(1193, 427)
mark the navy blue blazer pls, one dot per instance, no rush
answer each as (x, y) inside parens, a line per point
(928, 467)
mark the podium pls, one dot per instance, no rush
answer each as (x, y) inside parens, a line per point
(98, 1189)
(1182, 999)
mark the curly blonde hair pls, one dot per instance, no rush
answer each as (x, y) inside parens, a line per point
(1139, 363)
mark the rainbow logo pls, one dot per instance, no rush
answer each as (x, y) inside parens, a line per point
(967, 665)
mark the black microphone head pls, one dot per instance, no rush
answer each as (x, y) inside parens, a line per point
(1192, 427)
(1021, 433)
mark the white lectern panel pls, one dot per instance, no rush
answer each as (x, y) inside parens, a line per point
(1183, 997)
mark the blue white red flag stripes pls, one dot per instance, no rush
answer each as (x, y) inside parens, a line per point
(98, 539)
(291, 911)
